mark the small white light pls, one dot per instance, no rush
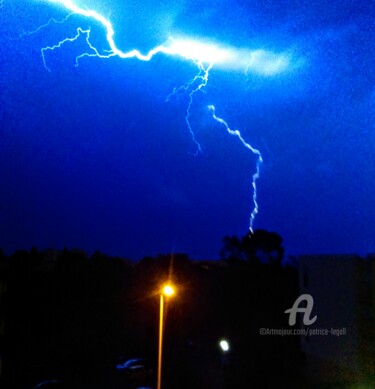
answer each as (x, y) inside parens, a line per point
(224, 345)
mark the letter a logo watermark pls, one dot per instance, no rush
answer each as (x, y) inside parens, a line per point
(305, 310)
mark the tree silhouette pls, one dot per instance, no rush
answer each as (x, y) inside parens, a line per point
(258, 246)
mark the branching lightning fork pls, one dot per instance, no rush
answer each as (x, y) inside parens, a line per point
(256, 152)
(204, 55)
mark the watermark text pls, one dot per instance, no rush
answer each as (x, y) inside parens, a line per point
(308, 331)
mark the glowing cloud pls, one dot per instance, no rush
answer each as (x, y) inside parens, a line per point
(204, 53)
(262, 62)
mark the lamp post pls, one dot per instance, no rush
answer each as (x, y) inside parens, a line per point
(166, 291)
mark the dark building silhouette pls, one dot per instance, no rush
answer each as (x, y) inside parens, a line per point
(343, 289)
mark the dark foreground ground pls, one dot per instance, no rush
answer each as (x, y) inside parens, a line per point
(208, 377)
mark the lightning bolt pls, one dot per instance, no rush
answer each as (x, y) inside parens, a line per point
(190, 50)
(200, 80)
(203, 77)
(203, 54)
(255, 151)
(52, 20)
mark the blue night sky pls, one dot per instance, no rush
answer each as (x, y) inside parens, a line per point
(98, 157)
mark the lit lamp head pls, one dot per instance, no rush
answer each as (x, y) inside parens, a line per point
(168, 290)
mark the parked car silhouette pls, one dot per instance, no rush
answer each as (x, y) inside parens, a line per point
(49, 384)
(137, 371)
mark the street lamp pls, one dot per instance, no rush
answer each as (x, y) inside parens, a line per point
(166, 291)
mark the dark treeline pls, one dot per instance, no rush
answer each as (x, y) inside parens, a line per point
(68, 315)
